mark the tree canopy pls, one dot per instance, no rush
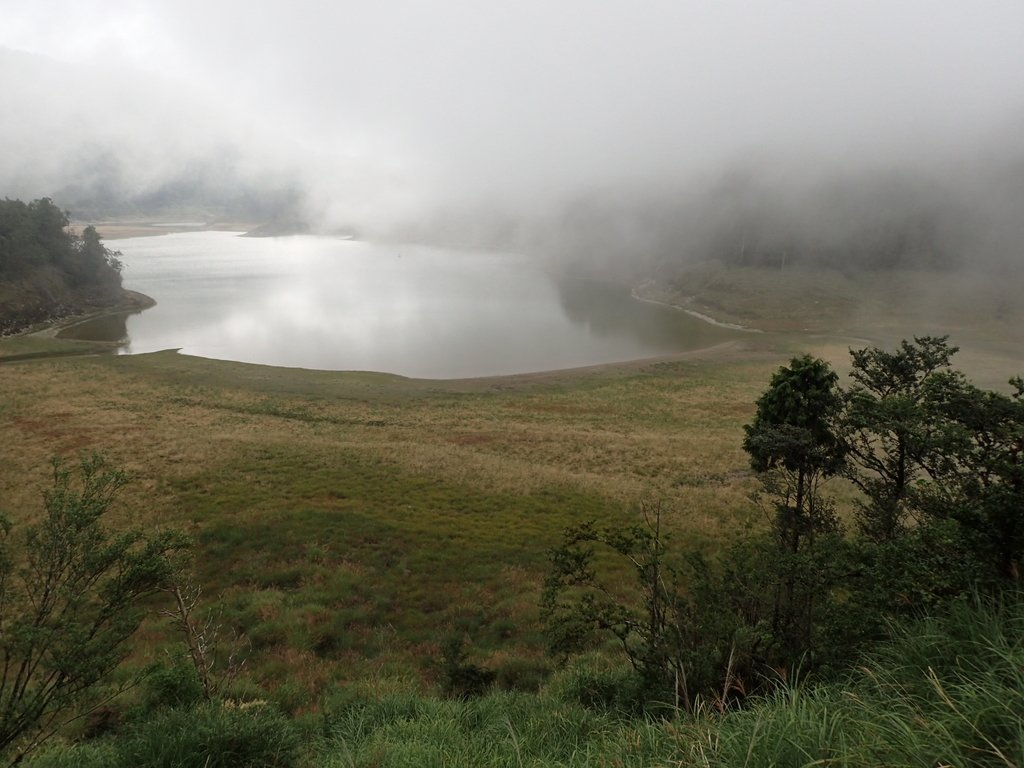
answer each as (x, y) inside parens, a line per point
(939, 464)
(34, 236)
(48, 271)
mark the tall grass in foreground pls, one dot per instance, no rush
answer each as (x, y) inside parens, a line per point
(943, 692)
(502, 729)
(201, 736)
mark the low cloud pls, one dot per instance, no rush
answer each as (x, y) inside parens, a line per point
(659, 123)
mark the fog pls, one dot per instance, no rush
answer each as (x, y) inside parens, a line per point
(618, 130)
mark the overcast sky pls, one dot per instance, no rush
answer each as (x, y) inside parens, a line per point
(388, 105)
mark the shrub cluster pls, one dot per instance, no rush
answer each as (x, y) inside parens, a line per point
(940, 466)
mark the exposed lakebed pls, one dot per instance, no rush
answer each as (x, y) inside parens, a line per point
(326, 303)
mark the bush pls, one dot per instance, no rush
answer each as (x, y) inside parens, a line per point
(522, 674)
(72, 594)
(599, 686)
(173, 683)
(212, 736)
(202, 736)
(460, 678)
(101, 754)
(943, 691)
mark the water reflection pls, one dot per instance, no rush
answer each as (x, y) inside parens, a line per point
(344, 305)
(605, 311)
(108, 328)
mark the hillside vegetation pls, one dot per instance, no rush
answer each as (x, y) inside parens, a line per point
(382, 546)
(941, 691)
(46, 271)
(590, 567)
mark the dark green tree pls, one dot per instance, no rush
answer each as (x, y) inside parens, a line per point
(795, 442)
(677, 636)
(980, 484)
(941, 465)
(94, 262)
(71, 596)
(45, 267)
(32, 235)
(894, 433)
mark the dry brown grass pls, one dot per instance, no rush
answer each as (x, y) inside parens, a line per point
(983, 312)
(628, 435)
(444, 496)
(349, 520)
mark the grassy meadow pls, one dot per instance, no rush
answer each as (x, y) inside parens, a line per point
(348, 523)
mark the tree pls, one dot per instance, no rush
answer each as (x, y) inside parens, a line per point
(980, 484)
(94, 263)
(52, 266)
(675, 624)
(894, 434)
(202, 636)
(928, 448)
(794, 441)
(70, 599)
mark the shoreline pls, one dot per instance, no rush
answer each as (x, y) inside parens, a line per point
(699, 315)
(129, 302)
(133, 302)
(112, 231)
(636, 293)
(44, 340)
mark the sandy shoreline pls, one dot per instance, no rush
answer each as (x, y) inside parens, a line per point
(699, 315)
(124, 230)
(640, 293)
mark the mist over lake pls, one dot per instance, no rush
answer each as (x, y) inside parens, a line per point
(326, 303)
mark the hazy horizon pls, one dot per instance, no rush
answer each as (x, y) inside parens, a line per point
(512, 117)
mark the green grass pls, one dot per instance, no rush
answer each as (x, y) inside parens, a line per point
(206, 736)
(36, 346)
(346, 548)
(348, 523)
(945, 691)
(503, 729)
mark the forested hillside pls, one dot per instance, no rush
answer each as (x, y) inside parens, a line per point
(46, 270)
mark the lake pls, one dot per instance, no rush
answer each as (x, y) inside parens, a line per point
(327, 303)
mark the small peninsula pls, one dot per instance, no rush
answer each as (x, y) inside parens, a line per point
(49, 273)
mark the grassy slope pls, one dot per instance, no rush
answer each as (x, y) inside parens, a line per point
(946, 692)
(348, 520)
(984, 314)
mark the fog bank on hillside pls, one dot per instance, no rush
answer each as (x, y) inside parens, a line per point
(623, 133)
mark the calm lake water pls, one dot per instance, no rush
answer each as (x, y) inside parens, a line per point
(316, 302)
